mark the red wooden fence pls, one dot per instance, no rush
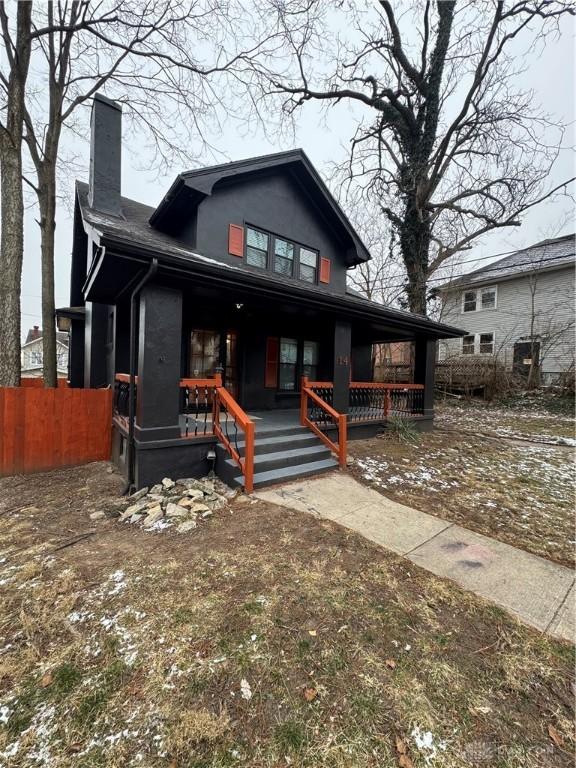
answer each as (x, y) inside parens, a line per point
(47, 428)
(33, 381)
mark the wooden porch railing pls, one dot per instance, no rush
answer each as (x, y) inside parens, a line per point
(318, 415)
(369, 401)
(199, 405)
(235, 417)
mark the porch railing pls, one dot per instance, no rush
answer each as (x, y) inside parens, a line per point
(121, 399)
(370, 401)
(199, 401)
(319, 416)
(228, 418)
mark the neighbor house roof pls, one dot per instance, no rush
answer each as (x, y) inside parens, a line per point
(556, 253)
(61, 337)
(133, 233)
(191, 187)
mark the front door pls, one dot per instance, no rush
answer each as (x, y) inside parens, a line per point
(212, 352)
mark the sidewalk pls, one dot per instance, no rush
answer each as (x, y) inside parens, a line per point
(536, 590)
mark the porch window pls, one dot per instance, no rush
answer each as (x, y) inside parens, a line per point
(204, 353)
(283, 257)
(468, 345)
(308, 265)
(256, 248)
(310, 360)
(486, 343)
(288, 364)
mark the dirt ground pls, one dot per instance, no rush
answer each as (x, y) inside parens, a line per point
(504, 472)
(263, 638)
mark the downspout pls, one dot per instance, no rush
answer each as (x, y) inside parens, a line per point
(150, 272)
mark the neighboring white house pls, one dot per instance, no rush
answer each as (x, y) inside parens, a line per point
(32, 357)
(515, 308)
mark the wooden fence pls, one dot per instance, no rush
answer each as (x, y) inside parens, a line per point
(44, 429)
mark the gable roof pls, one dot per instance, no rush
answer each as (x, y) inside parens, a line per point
(61, 338)
(191, 187)
(555, 253)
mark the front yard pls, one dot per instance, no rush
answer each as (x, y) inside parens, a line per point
(262, 638)
(504, 472)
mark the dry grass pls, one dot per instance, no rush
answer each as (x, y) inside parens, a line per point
(516, 491)
(343, 646)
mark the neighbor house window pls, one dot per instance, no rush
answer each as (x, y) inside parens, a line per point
(468, 345)
(486, 343)
(478, 299)
(283, 257)
(256, 248)
(310, 360)
(288, 364)
(308, 265)
(479, 343)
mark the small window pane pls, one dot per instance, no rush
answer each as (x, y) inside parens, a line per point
(310, 356)
(310, 258)
(257, 239)
(470, 301)
(489, 299)
(486, 343)
(468, 345)
(284, 249)
(308, 274)
(288, 351)
(255, 257)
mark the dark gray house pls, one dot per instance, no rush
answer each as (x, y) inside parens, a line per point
(223, 321)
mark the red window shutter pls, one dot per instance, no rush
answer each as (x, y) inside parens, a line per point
(324, 270)
(235, 240)
(271, 375)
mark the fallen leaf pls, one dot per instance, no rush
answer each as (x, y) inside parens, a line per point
(312, 632)
(400, 746)
(480, 710)
(405, 762)
(555, 736)
(310, 694)
(390, 663)
(46, 680)
(76, 746)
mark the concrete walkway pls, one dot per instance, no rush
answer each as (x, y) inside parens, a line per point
(537, 591)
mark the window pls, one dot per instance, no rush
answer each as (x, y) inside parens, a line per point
(283, 257)
(288, 363)
(204, 353)
(308, 265)
(468, 345)
(310, 360)
(470, 301)
(486, 343)
(480, 343)
(478, 299)
(256, 248)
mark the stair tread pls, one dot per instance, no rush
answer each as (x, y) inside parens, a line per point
(293, 472)
(270, 439)
(303, 453)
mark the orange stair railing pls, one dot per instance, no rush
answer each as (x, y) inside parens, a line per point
(235, 418)
(323, 417)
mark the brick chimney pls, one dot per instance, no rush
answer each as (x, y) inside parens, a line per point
(105, 156)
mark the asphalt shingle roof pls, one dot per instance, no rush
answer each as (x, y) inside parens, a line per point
(549, 254)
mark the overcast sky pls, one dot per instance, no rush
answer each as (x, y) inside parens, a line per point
(551, 76)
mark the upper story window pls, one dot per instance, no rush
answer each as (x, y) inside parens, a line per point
(266, 251)
(256, 248)
(477, 299)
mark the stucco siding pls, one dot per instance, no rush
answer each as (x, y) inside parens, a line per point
(511, 320)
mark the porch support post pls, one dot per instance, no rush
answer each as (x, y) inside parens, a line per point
(159, 351)
(342, 365)
(424, 370)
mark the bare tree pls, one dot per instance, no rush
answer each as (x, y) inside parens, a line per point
(447, 142)
(13, 83)
(164, 60)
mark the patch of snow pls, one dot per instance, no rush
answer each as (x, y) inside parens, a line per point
(245, 690)
(426, 743)
(5, 713)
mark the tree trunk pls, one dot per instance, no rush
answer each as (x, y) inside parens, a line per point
(47, 203)
(414, 243)
(11, 254)
(11, 195)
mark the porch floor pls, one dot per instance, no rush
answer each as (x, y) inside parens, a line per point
(264, 421)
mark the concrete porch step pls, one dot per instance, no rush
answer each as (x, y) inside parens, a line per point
(284, 474)
(264, 462)
(271, 443)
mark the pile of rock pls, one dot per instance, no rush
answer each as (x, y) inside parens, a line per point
(182, 504)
